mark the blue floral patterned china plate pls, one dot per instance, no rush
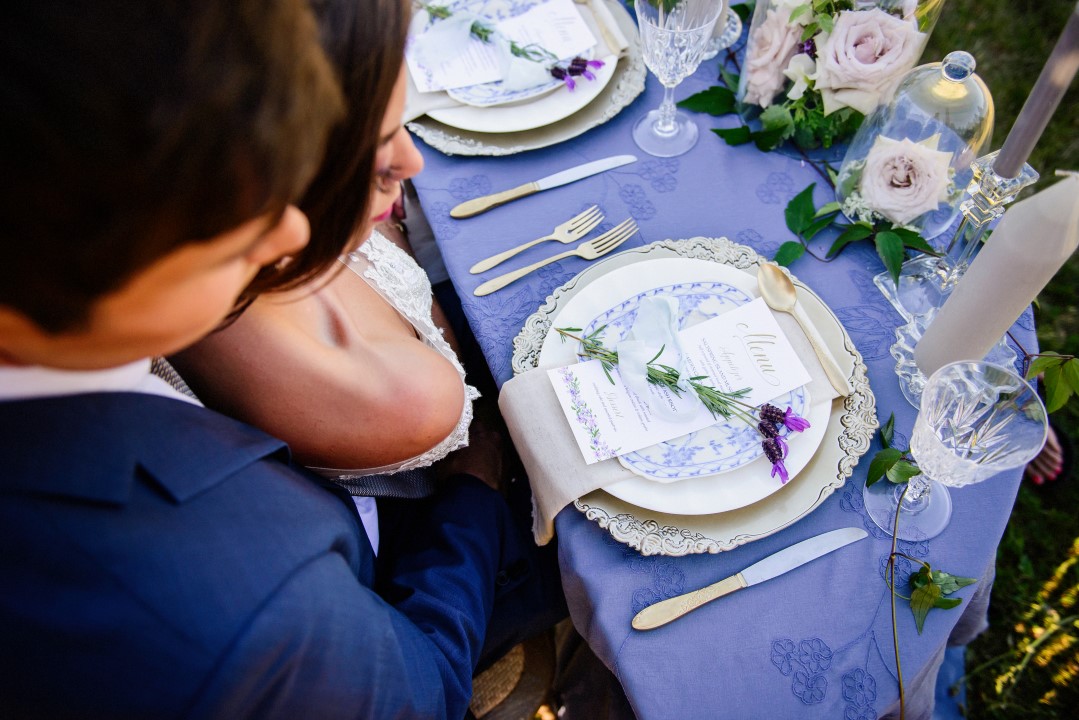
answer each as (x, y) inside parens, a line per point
(713, 470)
(715, 449)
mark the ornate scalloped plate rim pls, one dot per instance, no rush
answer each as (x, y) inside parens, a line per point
(855, 420)
(620, 92)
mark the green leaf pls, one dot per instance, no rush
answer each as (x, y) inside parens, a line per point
(921, 577)
(1039, 364)
(902, 472)
(922, 600)
(853, 233)
(788, 252)
(887, 431)
(832, 207)
(890, 249)
(1070, 373)
(881, 463)
(810, 30)
(768, 140)
(950, 583)
(816, 226)
(734, 136)
(913, 240)
(715, 100)
(800, 210)
(777, 117)
(729, 79)
(947, 603)
(1057, 391)
(798, 12)
(827, 24)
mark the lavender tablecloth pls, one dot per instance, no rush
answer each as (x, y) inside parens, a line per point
(817, 642)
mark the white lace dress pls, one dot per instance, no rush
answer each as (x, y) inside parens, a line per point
(395, 276)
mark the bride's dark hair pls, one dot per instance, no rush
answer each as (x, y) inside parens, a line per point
(365, 42)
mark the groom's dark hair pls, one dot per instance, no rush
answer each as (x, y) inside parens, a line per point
(130, 129)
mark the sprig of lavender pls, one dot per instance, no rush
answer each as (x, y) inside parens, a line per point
(718, 402)
(483, 32)
(567, 72)
(765, 419)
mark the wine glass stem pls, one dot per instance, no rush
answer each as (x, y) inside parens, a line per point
(916, 498)
(665, 124)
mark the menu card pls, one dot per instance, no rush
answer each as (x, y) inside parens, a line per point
(741, 348)
(555, 25)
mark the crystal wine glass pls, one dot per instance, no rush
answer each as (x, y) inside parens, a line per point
(976, 419)
(674, 34)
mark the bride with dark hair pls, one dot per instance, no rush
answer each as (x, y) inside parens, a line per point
(350, 369)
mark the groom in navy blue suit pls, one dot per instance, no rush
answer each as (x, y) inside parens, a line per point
(158, 559)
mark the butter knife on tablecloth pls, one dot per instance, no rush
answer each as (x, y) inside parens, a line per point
(482, 204)
(772, 566)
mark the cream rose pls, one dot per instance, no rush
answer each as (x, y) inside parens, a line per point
(861, 61)
(773, 43)
(903, 179)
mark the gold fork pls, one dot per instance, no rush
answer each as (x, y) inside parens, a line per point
(594, 248)
(570, 231)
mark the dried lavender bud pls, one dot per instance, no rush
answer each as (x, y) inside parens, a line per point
(809, 47)
(772, 414)
(772, 450)
(767, 429)
(558, 73)
(579, 64)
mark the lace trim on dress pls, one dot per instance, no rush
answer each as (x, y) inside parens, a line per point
(395, 276)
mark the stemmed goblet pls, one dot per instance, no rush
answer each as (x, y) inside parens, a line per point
(975, 420)
(674, 35)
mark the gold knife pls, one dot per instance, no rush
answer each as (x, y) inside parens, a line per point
(482, 204)
(776, 564)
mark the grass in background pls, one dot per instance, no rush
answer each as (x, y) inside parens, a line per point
(1027, 664)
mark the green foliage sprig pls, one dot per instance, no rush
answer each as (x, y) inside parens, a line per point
(929, 588)
(891, 462)
(719, 403)
(806, 221)
(1060, 376)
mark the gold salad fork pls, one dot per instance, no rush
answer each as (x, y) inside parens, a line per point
(570, 231)
(594, 248)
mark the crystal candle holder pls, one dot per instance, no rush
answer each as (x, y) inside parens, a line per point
(926, 281)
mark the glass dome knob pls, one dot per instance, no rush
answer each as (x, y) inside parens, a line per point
(958, 66)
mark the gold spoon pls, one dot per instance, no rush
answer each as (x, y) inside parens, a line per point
(779, 294)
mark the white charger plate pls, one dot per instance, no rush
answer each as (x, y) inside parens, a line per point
(729, 471)
(850, 427)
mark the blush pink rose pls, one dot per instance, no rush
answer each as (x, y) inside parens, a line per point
(862, 60)
(903, 179)
(771, 46)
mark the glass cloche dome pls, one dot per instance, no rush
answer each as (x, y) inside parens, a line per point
(910, 161)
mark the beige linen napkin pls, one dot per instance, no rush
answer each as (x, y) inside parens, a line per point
(609, 41)
(556, 469)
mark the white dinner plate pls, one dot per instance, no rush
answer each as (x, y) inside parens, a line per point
(719, 468)
(849, 429)
(531, 114)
